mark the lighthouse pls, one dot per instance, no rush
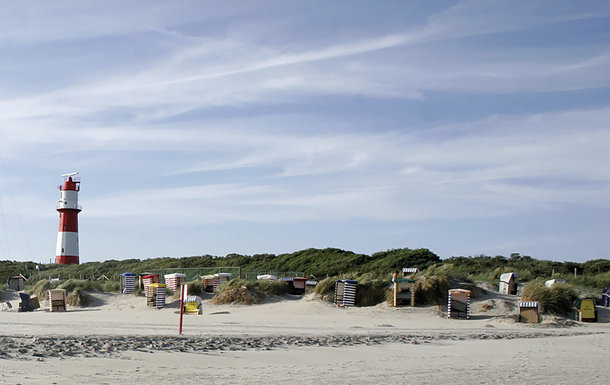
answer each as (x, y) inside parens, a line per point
(67, 236)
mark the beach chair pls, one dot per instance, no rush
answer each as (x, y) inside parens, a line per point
(34, 303)
(529, 312)
(193, 305)
(57, 300)
(6, 306)
(345, 292)
(584, 310)
(459, 303)
(459, 307)
(606, 297)
(24, 305)
(403, 292)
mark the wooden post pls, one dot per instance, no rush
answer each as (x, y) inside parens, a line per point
(183, 289)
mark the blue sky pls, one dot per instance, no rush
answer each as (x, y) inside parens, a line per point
(205, 127)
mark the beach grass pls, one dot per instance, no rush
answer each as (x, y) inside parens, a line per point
(78, 297)
(194, 287)
(557, 299)
(239, 291)
(371, 289)
(76, 289)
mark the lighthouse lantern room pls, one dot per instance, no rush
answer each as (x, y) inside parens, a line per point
(68, 208)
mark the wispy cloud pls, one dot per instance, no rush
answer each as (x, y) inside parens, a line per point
(192, 119)
(484, 172)
(478, 17)
(201, 72)
(282, 59)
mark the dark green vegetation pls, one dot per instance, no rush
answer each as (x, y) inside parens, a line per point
(430, 288)
(373, 272)
(316, 262)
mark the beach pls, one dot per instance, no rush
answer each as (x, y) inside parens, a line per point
(117, 339)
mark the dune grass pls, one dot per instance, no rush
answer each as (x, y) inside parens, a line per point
(194, 287)
(431, 290)
(40, 289)
(371, 293)
(588, 281)
(325, 287)
(76, 289)
(239, 291)
(555, 300)
(432, 285)
(78, 297)
(371, 289)
(272, 288)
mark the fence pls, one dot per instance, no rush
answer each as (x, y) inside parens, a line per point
(193, 273)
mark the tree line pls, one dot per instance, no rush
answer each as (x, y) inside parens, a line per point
(328, 262)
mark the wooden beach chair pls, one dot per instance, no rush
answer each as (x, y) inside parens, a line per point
(459, 303)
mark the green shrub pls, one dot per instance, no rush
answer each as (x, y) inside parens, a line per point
(555, 300)
(492, 277)
(593, 274)
(598, 281)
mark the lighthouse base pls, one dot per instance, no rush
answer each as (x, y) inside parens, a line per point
(66, 260)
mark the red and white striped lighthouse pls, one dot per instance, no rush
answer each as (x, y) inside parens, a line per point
(67, 237)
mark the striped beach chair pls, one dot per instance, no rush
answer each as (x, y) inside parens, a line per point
(459, 304)
(345, 292)
(529, 312)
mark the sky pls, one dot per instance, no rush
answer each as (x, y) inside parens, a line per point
(272, 126)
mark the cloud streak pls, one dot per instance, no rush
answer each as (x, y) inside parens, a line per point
(251, 118)
(391, 177)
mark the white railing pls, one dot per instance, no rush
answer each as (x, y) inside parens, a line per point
(78, 207)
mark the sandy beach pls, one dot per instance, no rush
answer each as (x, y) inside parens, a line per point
(117, 339)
